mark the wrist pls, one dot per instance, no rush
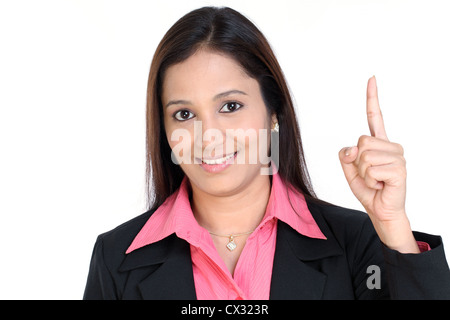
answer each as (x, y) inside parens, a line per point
(397, 235)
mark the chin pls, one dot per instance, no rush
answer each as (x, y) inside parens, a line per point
(230, 181)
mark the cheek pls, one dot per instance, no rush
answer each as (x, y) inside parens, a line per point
(253, 136)
(180, 141)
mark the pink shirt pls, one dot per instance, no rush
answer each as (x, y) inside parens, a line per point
(253, 272)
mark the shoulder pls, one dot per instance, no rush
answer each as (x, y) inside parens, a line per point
(345, 224)
(115, 242)
(336, 215)
(353, 231)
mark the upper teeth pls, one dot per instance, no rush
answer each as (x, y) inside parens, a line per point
(218, 161)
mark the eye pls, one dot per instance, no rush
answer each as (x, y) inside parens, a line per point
(230, 107)
(183, 115)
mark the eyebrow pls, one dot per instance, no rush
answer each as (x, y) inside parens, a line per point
(216, 97)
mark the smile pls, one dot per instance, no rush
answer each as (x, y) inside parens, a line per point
(219, 164)
(218, 160)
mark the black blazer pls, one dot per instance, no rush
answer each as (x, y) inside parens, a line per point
(304, 268)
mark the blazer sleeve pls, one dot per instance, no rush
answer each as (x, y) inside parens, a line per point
(402, 276)
(418, 276)
(100, 284)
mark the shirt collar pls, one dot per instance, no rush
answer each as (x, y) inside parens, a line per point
(175, 216)
(289, 205)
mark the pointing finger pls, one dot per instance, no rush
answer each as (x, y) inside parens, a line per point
(374, 116)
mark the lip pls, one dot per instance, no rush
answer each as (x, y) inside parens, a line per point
(215, 168)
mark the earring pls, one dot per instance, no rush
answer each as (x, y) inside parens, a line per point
(276, 127)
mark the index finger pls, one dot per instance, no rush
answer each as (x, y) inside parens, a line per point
(374, 116)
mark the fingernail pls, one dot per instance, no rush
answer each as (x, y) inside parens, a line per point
(348, 151)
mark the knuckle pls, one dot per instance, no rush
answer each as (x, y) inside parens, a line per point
(369, 179)
(364, 140)
(362, 170)
(369, 172)
(365, 156)
(400, 149)
(397, 147)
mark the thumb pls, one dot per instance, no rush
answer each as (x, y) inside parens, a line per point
(347, 156)
(357, 184)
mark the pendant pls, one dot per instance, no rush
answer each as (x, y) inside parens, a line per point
(231, 244)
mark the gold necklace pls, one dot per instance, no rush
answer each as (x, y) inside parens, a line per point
(231, 245)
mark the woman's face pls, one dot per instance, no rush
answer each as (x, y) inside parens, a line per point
(216, 122)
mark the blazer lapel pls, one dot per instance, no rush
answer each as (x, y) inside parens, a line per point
(292, 277)
(172, 276)
(165, 267)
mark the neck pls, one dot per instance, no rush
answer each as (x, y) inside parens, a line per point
(239, 212)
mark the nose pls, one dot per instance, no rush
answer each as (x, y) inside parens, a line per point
(209, 138)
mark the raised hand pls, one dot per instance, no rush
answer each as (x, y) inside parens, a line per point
(375, 170)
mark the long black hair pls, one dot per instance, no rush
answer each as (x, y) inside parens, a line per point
(226, 31)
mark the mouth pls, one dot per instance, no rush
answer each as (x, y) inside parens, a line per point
(219, 160)
(218, 164)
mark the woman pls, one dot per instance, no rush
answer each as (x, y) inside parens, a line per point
(232, 211)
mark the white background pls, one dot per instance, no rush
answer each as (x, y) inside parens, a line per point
(73, 80)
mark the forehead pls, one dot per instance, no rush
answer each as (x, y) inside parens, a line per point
(204, 74)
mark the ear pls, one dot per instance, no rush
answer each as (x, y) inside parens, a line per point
(274, 120)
